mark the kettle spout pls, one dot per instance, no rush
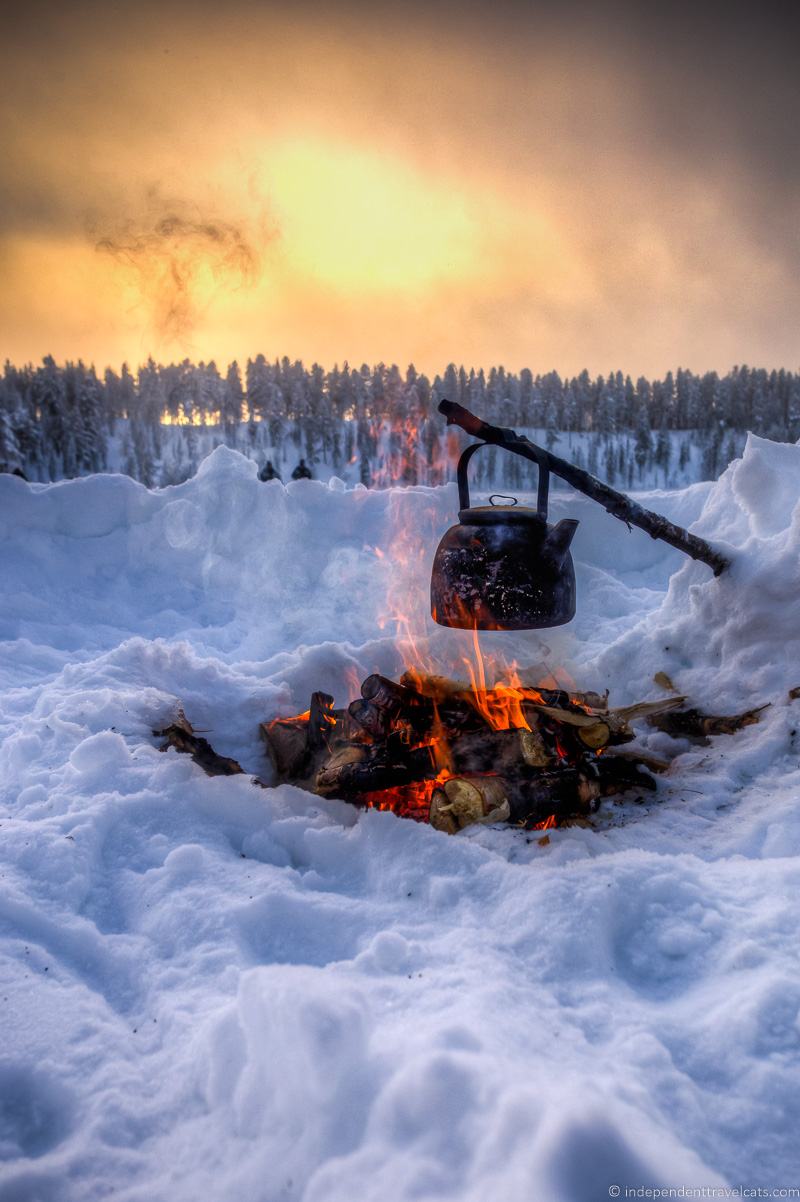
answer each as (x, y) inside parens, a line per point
(559, 538)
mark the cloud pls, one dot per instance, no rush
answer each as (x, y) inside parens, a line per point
(599, 184)
(180, 261)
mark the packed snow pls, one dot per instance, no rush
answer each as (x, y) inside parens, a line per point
(216, 991)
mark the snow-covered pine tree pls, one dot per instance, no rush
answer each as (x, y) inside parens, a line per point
(231, 404)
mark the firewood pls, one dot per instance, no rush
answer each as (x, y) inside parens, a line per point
(588, 702)
(498, 750)
(646, 709)
(596, 736)
(453, 697)
(328, 776)
(387, 695)
(180, 735)
(286, 741)
(463, 801)
(653, 763)
(530, 678)
(384, 703)
(349, 777)
(591, 731)
(568, 717)
(619, 773)
(699, 727)
(597, 731)
(435, 688)
(368, 717)
(567, 793)
(440, 815)
(320, 722)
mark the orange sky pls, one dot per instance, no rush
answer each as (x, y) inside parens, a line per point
(487, 186)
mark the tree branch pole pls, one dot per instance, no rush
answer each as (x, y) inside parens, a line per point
(616, 503)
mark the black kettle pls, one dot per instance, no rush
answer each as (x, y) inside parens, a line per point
(502, 567)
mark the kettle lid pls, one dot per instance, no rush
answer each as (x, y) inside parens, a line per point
(497, 515)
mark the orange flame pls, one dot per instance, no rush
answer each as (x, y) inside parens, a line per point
(547, 825)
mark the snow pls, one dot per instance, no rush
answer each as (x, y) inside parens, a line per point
(210, 990)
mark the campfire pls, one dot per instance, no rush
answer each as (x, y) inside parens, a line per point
(454, 752)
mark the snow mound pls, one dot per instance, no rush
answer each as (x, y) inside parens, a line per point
(212, 990)
(734, 641)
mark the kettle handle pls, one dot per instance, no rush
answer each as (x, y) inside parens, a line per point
(463, 482)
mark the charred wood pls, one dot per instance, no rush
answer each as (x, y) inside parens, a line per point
(374, 721)
(181, 736)
(349, 776)
(618, 774)
(499, 750)
(286, 741)
(321, 721)
(464, 801)
(699, 727)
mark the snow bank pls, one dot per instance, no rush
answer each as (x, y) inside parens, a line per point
(734, 641)
(210, 990)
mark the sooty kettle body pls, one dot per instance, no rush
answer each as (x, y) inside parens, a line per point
(502, 567)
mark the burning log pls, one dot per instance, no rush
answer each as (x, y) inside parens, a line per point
(461, 802)
(286, 740)
(699, 727)
(387, 695)
(464, 801)
(321, 721)
(436, 688)
(592, 731)
(347, 774)
(443, 691)
(499, 750)
(296, 746)
(374, 721)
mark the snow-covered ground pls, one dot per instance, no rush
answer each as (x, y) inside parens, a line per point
(215, 992)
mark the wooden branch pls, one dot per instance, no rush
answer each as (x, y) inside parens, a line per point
(181, 736)
(651, 763)
(695, 725)
(615, 503)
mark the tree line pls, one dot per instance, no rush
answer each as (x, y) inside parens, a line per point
(376, 424)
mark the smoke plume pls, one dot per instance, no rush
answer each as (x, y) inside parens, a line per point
(181, 262)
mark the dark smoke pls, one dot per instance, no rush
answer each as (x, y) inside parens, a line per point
(172, 254)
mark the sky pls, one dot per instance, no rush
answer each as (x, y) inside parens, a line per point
(568, 186)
